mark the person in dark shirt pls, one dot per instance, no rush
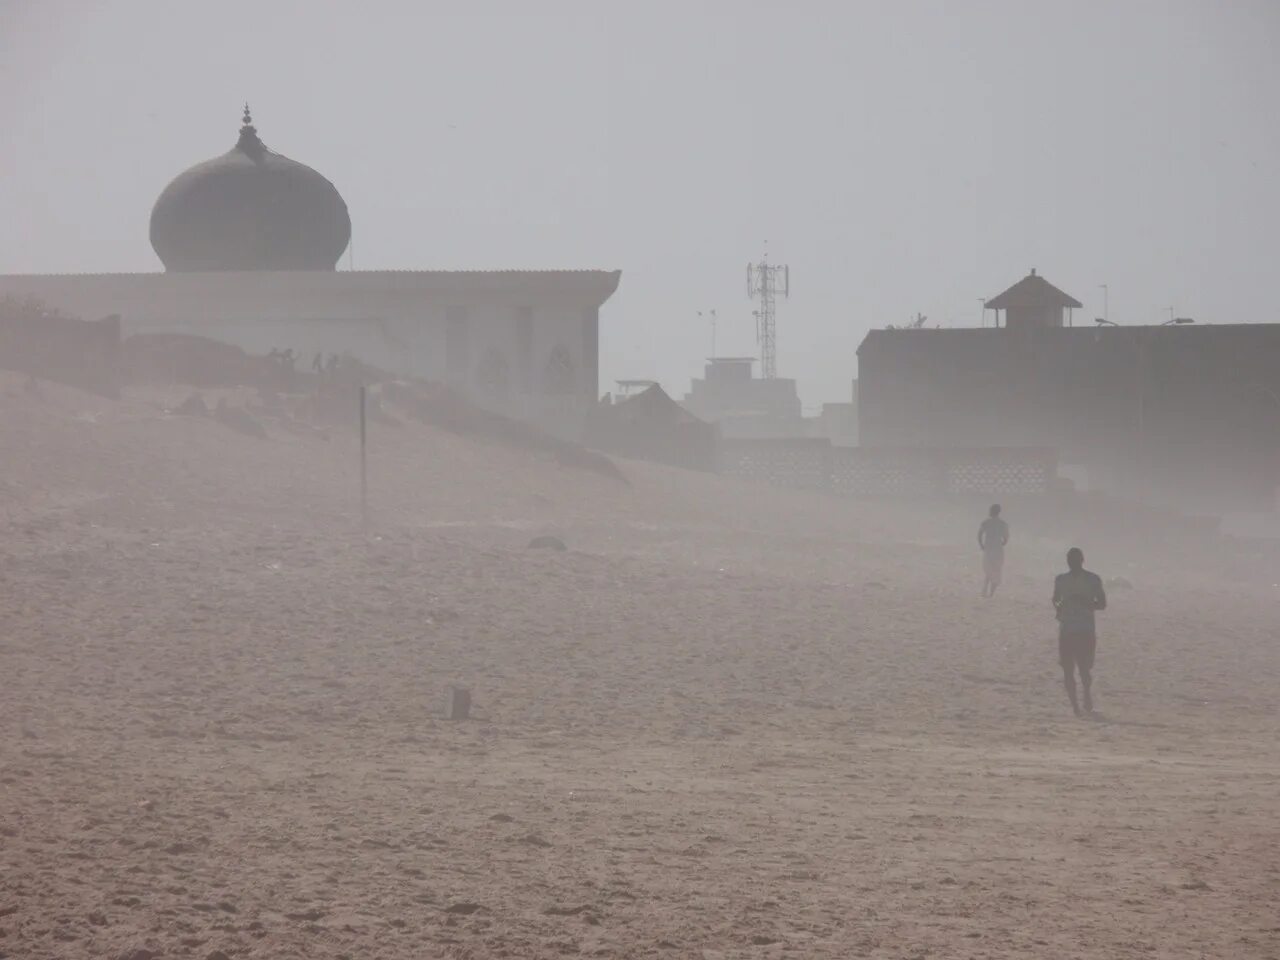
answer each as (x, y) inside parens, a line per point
(1077, 594)
(993, 534)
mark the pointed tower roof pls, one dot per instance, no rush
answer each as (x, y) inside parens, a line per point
(1032, 292)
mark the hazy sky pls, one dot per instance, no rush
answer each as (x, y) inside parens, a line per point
(902, 157)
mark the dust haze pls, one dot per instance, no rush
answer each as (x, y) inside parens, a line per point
(637, 480)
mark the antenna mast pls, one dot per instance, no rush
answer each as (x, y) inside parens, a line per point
(765, 282)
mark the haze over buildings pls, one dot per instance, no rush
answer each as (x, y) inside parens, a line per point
(249, 240)
(901, 157)
(359, 624)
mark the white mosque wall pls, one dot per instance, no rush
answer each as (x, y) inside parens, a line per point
(524, 344)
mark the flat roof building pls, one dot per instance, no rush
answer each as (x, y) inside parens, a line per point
(1189, 412)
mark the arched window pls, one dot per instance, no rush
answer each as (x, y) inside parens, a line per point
(559, 378)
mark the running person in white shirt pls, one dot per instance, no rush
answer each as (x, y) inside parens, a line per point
(992, 537)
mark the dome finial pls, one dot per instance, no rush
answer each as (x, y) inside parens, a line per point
(249, 142)
(249, 209)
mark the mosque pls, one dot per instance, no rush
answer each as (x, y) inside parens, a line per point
(250, 242)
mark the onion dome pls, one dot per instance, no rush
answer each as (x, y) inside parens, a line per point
(250, 209)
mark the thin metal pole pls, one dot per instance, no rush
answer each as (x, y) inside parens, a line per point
(1140, 340)
(364, 462)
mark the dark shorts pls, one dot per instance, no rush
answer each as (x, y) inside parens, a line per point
(993, 565)
(1077, 650)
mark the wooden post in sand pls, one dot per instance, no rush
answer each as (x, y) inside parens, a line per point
(364, 462)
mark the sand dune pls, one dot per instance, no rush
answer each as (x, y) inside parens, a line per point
(726, 722)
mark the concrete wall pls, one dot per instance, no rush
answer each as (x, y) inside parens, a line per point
(1188, 413)
(816, 464)
(1038, 317)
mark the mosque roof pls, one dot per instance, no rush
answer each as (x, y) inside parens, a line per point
(250, 209)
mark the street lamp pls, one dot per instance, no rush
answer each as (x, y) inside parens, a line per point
(1178, 321)
(1102, 322)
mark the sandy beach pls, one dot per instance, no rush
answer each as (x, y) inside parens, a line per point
(725, 722)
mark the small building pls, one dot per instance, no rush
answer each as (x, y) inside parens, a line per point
(651, 426)
(743, 405)
(838, 422)
(629, 388)
(250, 243)
(1033, 303)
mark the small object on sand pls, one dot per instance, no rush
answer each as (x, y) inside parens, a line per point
(567, 911)
(547, 543)
(458, 703)
(1119, 583)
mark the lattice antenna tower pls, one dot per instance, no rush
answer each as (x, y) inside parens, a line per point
(766, 282)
